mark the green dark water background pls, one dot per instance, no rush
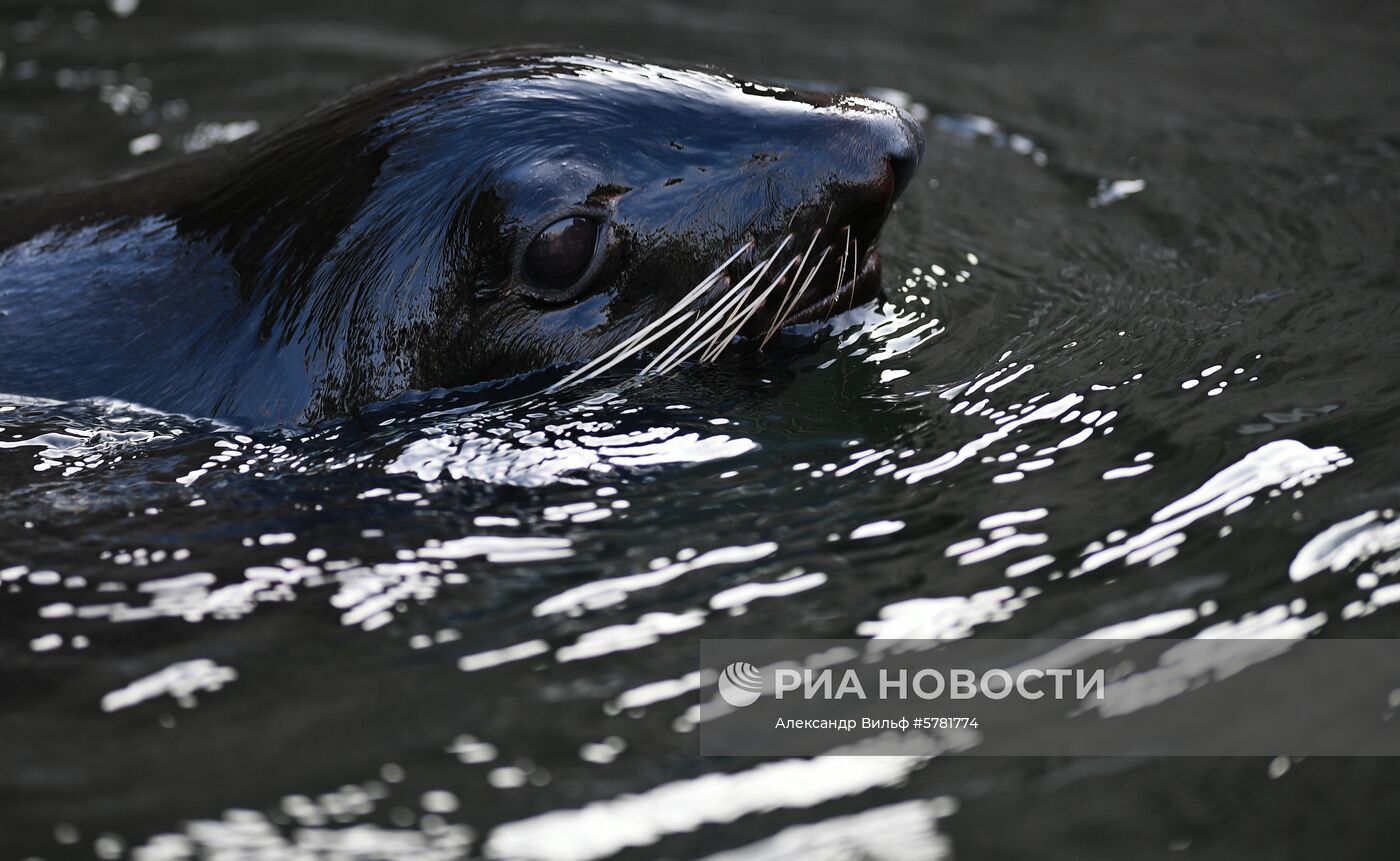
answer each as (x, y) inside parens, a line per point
(1146, 272)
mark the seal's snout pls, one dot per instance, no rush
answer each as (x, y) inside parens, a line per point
(874, 149)
(880, 146)
(889, 132)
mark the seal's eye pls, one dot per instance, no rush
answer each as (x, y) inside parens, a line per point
(557, 261)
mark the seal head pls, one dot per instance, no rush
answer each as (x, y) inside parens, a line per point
(489, 216)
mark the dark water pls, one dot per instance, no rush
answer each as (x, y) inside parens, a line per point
(1143, 291)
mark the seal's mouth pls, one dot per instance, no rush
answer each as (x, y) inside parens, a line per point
(862, 287)
(810, 282)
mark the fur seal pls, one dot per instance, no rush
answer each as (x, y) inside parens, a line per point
(474, 219)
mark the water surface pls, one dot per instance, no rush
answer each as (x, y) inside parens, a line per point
(1136, 367)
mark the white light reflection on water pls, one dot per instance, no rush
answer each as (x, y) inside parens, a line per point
(739, 597)
(367, 594)
(655, 692)
(648, 629)
(1278, 466)
(495, 657)
(1369, 542)
(181, 680)
(81, 449)
(1343, 544)
(876, 528)
(1185, 666)
(1110, 192)
(976, 127)
(250, 834)
(1032, 414)
(947, 618)
(606, 827)
(907, 831)
(499, 548)
(607, 592)
(533, 458)
(1274, 467)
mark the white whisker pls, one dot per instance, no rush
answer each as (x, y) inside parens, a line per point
(845, 256)
(730, 302)
(624, 356)
(626, 347)
(787, 308)
(737, 322)
(777, 279)
(704, 322)
(684, 332)
(855, 261)
(796, 277)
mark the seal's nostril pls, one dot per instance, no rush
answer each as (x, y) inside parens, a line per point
(901, 171)
(906, 149)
